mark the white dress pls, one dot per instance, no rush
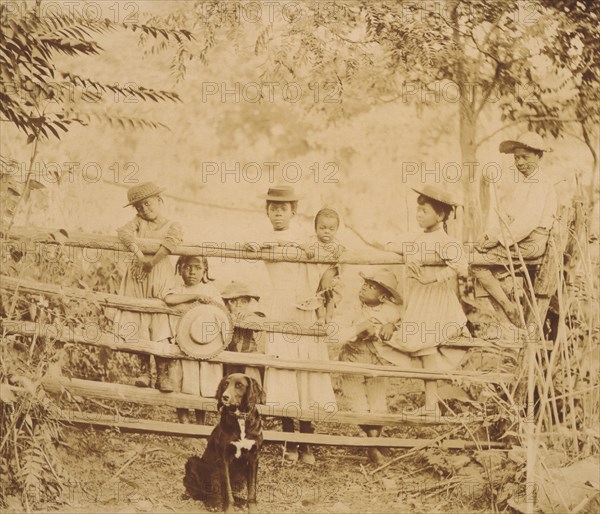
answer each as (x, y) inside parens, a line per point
(291, 284)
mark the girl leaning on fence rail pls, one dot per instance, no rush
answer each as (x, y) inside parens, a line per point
(292, 283)
(433, 314)
(192, 377)
(148, 276)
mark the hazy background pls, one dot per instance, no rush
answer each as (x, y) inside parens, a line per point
(359, 159)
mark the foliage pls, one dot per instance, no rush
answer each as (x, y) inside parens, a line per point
(29, 462)
(41, 100)
(37, 97)
(523, 62)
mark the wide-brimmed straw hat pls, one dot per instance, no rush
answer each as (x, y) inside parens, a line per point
(204, 331)
(527, 140)
(238, 289)
(281, 194)
(439, 193)
(138, 193)
(386, 279)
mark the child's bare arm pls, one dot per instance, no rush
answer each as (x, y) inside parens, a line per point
(308, 249)
(176, 299)
(387, 331)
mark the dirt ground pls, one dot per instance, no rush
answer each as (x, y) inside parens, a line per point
(109, 471)
(114, 472)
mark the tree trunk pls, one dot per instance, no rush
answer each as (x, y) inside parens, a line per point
(471, 175)
(470, 180)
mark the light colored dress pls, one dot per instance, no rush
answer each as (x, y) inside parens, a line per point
(141, 325)
(198, 377)
(433, 312)
(291, 285)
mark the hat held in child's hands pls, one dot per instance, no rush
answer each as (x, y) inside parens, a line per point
(204, 331)
(281, 194)
(386, 279)
(237, 290)
(138, 193)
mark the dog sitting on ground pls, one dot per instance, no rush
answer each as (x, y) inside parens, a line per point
(232, 452)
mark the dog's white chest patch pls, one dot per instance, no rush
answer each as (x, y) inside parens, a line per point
(243, 443)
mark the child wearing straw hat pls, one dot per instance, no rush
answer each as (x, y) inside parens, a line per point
(148, 276)
(366, 342)
(295, 391)
(239, 298)
(523, 224)
(433, 312)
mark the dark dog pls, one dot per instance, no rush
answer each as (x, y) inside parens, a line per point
(231, 455)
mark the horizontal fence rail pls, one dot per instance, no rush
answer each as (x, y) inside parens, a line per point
(189, 430)
(229, 250)
(100, 339)
(149, 305)
(317, 413)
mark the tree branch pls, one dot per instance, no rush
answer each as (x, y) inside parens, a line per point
(523, 120)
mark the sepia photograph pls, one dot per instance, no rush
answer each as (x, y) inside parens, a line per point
(305, 256)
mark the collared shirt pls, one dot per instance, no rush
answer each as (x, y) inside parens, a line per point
(531, 205)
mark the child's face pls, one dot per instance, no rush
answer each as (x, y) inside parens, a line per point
(371, 293)
(149, 208)
(192, 272)
(280, 214)
(326, 228)
(240, 304)
(526, 161)
(427, 218)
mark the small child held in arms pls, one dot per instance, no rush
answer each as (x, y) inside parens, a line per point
(238, 298)
(147, 276)
(373, 326)
(291, 283)
(192, 377)
(324, 245)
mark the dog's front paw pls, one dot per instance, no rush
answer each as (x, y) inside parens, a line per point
(252, 508)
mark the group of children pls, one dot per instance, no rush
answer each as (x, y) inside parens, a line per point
(385, 329)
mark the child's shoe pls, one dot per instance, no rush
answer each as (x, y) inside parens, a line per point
(144, 379)
(290, 453)
(306, 455)
(183, 416)
(200, 417)
(375, 456)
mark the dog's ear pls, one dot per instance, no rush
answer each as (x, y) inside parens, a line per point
(254, 394)
(220, 391)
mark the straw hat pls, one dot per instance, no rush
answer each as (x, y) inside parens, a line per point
(438, 193)
(236, 290)
(386, 279)
(527, 140)
(138, 193)
(204, 331)
(281, 194)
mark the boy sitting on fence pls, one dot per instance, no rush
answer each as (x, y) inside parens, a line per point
(524, 225)
(373, 325)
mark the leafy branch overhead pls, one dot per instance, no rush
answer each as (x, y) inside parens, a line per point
(37, 97)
